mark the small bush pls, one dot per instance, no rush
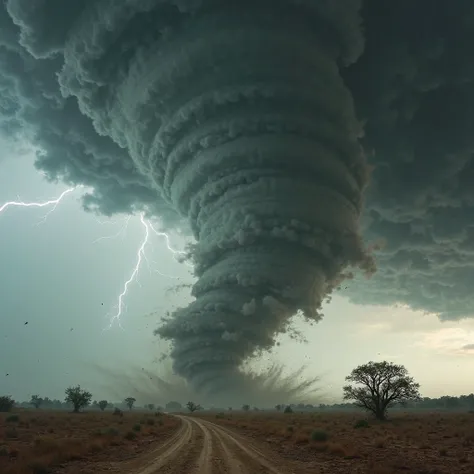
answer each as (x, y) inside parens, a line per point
(118, 412)
(220, 415)
(319, 436)
(11, 433)
(130, 435)
(112, 431)
(39, 468)
(137, 427)
(288, 409)
(12, 419)
(150, 421)
(361, 424)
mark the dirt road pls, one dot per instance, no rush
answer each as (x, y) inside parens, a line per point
(201, 447)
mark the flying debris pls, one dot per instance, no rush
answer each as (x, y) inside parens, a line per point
(247, 124)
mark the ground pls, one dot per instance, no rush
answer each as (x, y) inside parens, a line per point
(40, 442)
(34, 442)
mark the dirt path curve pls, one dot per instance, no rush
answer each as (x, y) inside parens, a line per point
(202, 447)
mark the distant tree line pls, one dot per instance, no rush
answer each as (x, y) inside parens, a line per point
(374, 387)
(77, 399)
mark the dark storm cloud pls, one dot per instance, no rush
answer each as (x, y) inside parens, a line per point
(414, 89)
(68, 147)
(236, 117)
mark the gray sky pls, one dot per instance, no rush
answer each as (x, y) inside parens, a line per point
(56, 278)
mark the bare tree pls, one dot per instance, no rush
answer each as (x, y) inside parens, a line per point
(192, 407)
(129, 401)
(381, 385)
(78, 397)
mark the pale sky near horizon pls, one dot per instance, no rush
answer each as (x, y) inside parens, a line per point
(58, 278)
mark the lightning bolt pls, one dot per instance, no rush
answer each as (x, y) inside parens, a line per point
(51, 202)
(141, 256)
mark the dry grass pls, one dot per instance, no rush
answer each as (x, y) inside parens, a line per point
(34, 442)
(431, 443)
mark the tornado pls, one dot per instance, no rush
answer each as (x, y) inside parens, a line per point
(237, 114)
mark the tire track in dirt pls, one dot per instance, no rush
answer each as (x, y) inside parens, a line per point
(202, 447)
(239, 456)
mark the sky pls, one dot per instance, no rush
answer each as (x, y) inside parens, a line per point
(56, 276)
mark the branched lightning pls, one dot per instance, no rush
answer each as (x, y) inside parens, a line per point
(133, 276)
(51, 202)
(141, 256)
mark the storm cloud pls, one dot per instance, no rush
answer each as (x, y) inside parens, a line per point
(414, 90)
(250, 124)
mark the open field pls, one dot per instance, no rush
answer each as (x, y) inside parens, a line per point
(414, 443)
(34, 442)
(42, 442)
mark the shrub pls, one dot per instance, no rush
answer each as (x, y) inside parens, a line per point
(288, 409)
(361, 424)
(12, 419)
(320, 436)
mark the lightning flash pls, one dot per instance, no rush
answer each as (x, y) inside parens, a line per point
(141, 256)
(51, 202)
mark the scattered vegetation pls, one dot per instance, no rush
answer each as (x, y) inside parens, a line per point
(33, 442)
(431, 443)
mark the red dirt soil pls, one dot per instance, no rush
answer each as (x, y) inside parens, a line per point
(434, 443)
(34, 442)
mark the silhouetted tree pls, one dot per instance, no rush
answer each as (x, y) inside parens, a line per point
(36, 401)
(381, 385)
(246, 407)
(192, 407)
(129, 401)
(103, 404)
(6, 403)
(288, 409)
(78, 397)
(151, 406)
